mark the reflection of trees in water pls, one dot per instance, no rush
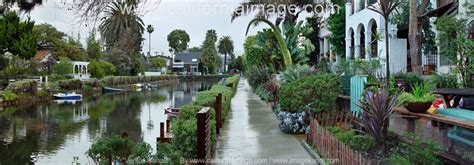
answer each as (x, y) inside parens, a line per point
(32, 131)
(44, 128)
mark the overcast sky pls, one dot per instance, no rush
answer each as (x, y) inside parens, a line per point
(194, 16)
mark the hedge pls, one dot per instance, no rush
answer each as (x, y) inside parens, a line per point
(317, 92)
(125, 80)
(23, 87)
(184, 140)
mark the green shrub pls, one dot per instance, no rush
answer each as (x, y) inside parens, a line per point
(262, 93)
(259, 75)
(72, 84)
(63, 67)
(183, 145)
(445, 80)
(317, 92)
(397, 159)
(23, 87)
(296, 72)
(9, 96)
(118, 149)
(423, 152)
(349, 137)
(419, 93)
(100, 69)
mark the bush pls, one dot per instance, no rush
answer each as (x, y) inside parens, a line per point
(9, 96)
(257, 76)
(296, 72)
(100, 69)
(445, 81)
(422, 152)
(317, 92)
(63, 67)
(350, 137)
(23, 87)
(291, 123)
(72, 84)
(118, 149)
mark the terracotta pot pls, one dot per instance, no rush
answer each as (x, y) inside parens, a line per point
(418, 107)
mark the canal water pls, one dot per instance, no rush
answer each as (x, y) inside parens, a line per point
(55, 133)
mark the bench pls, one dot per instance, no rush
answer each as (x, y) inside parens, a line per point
(457, 112)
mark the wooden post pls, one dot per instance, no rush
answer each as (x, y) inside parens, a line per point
(162, 132)
(168, 125)
(218, 113)
(203, 135)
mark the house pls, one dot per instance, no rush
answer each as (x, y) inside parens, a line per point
(153, 71)
(46, 60)
(361, 26)
(80, 70)
(187, 62)
(449, 7)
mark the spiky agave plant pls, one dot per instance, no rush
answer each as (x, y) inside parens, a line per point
(281, 41)
(377, 110)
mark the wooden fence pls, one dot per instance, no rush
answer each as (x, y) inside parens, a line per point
(327, 145)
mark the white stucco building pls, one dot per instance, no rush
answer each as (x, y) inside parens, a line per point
(361, 25)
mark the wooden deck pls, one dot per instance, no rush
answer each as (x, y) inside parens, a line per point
(438, 118)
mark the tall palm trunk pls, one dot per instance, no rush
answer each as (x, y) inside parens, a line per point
(225, 63)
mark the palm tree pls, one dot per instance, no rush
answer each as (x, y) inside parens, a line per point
(120, 17)
(150, 30)
(281, 42)
(226, 46)
(385, 8)
(246, 8)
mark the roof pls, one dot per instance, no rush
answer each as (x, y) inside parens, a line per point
(188, 58)
(41, 54)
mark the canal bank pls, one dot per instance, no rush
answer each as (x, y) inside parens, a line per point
(29, 91)
(252, 136)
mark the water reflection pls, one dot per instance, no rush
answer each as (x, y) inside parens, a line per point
(54, 133)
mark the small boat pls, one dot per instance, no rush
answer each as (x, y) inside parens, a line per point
(151, 85)
(172, 111)
(68, 96)
(113, 90)
(137, 86)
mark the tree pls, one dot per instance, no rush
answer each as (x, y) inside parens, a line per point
(455, 44)
(63, 67)
(24, 5)
(414, 33)
(336, 25)
(255, 55)
(121, 17)
(194, 49)
(100, 69)
(150, 30)
(178, 41)
(299, 46)
(17, 36)
(158, 62)
(281, 42)
(226, 46)
(315, 23)
(93, 47)
(209, 58)
(385, 8)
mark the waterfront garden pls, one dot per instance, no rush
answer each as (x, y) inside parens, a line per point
(345, 108)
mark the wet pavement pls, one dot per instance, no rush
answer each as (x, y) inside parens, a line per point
(251, 134)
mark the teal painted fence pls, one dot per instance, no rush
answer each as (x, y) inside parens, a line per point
(357, 88)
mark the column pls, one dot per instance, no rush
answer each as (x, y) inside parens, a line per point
(357, 46)
(348, 47)
(326, 47)
(368, 39)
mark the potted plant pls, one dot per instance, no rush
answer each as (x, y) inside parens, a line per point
(419, 100)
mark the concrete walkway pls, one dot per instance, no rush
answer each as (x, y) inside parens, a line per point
(251, 134)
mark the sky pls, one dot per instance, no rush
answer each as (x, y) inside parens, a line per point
(193, 16)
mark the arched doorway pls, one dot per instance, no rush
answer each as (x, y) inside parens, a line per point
(351, 46)
(373, 38)
(361, 41)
